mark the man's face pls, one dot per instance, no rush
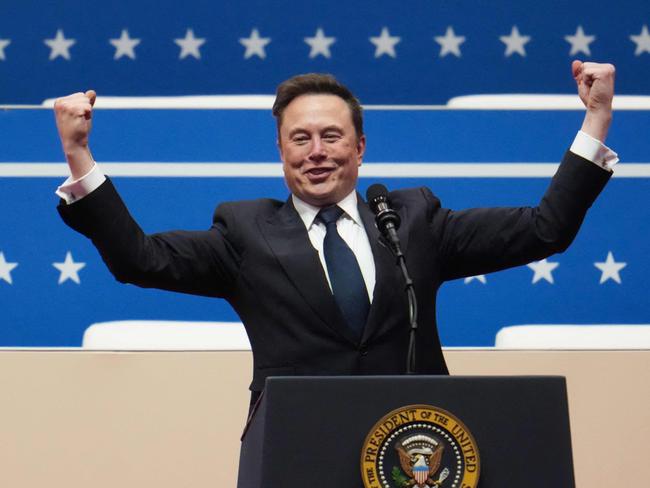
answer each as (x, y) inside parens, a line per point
(319, 148)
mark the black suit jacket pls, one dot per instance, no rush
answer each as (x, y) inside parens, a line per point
(257, 255)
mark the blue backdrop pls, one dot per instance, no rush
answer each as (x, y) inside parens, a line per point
(430, 50)
(42, 306)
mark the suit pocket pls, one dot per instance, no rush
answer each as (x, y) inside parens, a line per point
(260, 375)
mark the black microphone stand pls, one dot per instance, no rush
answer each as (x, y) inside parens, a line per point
(388, 219)
(413, 307)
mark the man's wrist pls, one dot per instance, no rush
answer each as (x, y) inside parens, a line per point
(79, 159)
(597, 125)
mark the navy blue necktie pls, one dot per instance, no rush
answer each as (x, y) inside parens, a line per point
(348, 286)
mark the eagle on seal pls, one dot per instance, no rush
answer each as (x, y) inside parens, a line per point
(420, 457)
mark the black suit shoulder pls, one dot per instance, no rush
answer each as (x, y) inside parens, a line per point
(258, 206)
(419, 199)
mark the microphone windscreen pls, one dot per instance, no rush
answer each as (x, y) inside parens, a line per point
(376, 191)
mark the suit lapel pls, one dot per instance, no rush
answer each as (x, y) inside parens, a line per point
(287, 236)
(388, 278)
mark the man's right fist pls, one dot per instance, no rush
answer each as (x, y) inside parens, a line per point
(74, 121)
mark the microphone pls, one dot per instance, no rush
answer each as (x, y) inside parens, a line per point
(386, 218)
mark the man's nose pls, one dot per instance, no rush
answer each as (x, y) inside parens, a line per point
(317, 152)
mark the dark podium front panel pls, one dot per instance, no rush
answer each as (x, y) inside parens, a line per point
(310, 431)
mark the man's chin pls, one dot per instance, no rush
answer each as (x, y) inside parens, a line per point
(323, 194)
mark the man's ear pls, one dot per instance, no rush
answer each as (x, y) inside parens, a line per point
(361, 148)
(277, 143)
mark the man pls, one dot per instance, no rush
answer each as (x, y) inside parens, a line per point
(278, 263)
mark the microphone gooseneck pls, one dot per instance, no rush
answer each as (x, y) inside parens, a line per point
(388, 221)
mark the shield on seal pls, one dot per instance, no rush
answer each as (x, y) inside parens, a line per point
(420, 473)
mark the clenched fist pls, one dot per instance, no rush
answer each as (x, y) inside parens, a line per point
(74, 121)
(596, 90)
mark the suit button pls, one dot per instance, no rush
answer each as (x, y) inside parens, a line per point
(363, 351)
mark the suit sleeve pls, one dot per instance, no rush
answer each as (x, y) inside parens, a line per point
(196, 262)
(484, 240)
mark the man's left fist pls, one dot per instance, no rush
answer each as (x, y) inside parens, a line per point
(595, 84)
(596, 90)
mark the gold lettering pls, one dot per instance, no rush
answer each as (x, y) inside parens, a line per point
(458, 432)
(370, 474)
(403, 417)
(468, 450)
(441, 419)
(463, 438)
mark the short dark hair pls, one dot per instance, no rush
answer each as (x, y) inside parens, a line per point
(315, 83)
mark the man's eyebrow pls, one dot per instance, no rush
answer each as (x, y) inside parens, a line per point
(333, 127)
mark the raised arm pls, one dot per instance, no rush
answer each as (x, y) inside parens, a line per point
(197, 262)
(479, 241)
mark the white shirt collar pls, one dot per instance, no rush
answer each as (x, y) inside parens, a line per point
(308, 212)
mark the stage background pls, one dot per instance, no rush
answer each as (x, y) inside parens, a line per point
(42, 306)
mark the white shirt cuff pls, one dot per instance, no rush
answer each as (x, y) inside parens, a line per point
(73, 190)
(593, 150)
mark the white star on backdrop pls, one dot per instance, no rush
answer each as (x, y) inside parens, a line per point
(69, 269)
(580, 42)
(543, 270)
(320, 44)
(60, 46)
(385, 43)
(515, 42)
(255, 45)
(190, 45)
(125, 45)
(450, 43)
(642, 41)
(5, 269)
(3, 44)
(610, 269)
(480, 278)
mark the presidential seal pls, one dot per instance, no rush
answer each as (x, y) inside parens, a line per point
(420, 446)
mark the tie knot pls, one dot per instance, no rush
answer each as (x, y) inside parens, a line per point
(329, 215)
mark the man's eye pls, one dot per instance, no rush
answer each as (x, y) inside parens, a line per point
(300, 139)
(331, 137)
